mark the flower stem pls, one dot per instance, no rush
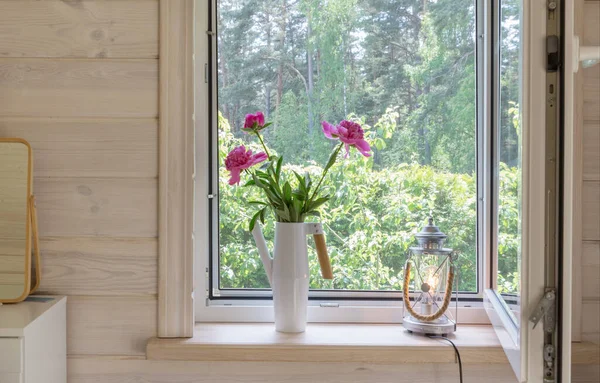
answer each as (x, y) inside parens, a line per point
(326, 170)
(263, 145)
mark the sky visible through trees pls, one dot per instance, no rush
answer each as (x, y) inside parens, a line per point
(404, 69)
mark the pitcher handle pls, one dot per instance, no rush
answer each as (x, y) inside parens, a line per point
(316, 229)
(263, 251)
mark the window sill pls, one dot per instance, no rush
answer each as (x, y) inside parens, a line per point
(361, 343)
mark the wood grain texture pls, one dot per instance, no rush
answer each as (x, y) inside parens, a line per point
(96, 207)
(176, 170)
(591, 282)
(590, 326)
(88, 147)
(591, 314)
(591, 93)
(110, 325)
(592, 337)
(591, 151)
(591, 254)
(376, 344)
(78, 88)
(90, 370)
(99, 266)
(117, 28)
(591, 36)
(585, 374)
(591, 210)
(591, 24)
(585, 353)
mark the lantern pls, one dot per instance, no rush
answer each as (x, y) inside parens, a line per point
(431, 266)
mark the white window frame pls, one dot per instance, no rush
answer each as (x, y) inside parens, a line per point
(522, 343)
(348, 311)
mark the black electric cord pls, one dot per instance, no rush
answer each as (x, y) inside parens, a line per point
(455, 351)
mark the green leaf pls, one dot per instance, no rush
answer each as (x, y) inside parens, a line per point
(278, 168)
(283, 214)
(300, 195)
(250, 183)
(262, 215)
(299, 178)
(301, 182)
(273, 197)
(253, 220)
(287, 192)
(258, 181)
(318, 202)
(264, 126)
(275, 187)
(332, 158)
(308, 181)
(298, 205)
(293, 213)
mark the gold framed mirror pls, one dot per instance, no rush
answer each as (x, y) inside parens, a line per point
(18, 222)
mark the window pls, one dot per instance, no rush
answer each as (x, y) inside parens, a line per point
(454, 98)
(507, 158)
(411, 73)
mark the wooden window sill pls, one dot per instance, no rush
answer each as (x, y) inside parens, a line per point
(360, 343)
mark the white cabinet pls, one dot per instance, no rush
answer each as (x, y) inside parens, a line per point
(33, 341)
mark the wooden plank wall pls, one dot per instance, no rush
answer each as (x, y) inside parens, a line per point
(590, 261)
(79, 81)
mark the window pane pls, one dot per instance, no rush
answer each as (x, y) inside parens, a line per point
(509, 156)
(405, 69)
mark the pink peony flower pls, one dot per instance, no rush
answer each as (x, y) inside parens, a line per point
(256, 120)
(239, 159)
(350, 133)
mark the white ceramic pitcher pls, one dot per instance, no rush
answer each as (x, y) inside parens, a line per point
(288, 270)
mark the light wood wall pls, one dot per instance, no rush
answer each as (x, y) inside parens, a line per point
(590, 260)
(79, 81)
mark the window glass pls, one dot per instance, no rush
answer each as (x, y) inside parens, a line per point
(509, 211)
(404, 69)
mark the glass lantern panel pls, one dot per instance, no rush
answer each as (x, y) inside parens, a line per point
(430, 280)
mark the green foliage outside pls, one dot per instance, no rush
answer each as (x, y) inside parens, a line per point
(404, 69)
(370, 222)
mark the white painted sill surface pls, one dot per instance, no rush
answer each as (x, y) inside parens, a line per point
(361, 343)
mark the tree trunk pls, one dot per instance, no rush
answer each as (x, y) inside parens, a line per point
(282, 30)
(225, 82)
(311, 83)
(269, 50)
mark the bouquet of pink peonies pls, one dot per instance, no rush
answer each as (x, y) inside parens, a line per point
(287, 204)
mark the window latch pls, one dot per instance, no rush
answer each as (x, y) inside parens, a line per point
(553, 53)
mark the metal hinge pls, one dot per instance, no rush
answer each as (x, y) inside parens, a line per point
(546, 309)
(549, 369)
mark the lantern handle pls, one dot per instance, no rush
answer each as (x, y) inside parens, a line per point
(447, 296)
